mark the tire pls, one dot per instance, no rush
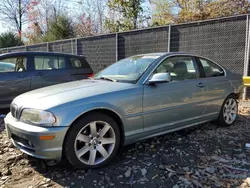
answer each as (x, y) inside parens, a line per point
(92, 141)
(228, 112)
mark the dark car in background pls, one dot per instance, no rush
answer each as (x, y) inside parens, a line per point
(24, 71)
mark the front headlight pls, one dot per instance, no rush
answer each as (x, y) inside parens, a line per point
(38, 117)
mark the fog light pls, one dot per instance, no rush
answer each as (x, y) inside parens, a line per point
(30, 143)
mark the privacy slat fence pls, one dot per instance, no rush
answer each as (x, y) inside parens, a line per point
(224, 40)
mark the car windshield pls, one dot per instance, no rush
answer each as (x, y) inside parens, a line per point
(127, 70)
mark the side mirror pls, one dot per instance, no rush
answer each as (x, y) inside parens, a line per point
(160, 78)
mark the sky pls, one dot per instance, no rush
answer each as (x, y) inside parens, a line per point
(72, 4)
(3, 27)
(6, 27)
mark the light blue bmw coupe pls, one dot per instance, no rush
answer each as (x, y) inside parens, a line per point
(142, 96)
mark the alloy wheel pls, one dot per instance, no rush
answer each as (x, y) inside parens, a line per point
(230, 110)
(95, 142)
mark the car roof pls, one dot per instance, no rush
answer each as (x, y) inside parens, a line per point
(38, 53)
(165, 54)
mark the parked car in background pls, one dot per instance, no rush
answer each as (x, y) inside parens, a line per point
(136, 98)
(24, 71)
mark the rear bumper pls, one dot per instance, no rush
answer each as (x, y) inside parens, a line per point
(240, 93)
(26, 138)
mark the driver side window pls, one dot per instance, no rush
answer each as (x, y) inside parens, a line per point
(180, 68)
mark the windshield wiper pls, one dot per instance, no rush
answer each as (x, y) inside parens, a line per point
(109, 79)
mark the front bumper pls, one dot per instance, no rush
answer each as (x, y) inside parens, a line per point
(27, 138)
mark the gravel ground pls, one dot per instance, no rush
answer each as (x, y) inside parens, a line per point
(203, 156)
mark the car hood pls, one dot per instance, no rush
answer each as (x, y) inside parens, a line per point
(52, 96)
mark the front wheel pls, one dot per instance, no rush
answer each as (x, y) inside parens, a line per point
(92, 141)
(228, 111)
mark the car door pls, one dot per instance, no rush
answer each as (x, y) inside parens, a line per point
(217, 85)
(176, 103)
(49, 70)
(14, 78)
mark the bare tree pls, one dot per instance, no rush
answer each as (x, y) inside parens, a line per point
(44, 11)
(101, 6)
(42, 17)
(14, 12)
(95, 11)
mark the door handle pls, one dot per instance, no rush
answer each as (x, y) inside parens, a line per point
(201, 85)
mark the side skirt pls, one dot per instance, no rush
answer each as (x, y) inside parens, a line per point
(145, 135)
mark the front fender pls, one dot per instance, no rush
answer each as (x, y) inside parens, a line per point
(67, 116)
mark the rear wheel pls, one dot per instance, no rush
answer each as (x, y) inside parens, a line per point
(92, 141)
(228, 113)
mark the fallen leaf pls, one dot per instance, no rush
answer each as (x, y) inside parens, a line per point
(155, 176)
(195, 182)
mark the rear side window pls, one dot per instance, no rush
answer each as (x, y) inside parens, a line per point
(79, 63)
(13, 64)
(49, 63)
(211, 69)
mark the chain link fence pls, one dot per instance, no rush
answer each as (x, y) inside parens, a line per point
(221, 40)
(100, 51)
(142, 41)
(224, 40)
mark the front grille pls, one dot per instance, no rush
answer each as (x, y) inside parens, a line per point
(14, 110)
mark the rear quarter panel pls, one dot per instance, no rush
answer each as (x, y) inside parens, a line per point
(236, 83)
(218, 88)
(79, 73)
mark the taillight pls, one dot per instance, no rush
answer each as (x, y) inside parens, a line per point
(91, 75)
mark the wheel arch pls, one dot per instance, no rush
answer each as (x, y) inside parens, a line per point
(232, 93)
(220, 119)
(107, 112)
(229, 94)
